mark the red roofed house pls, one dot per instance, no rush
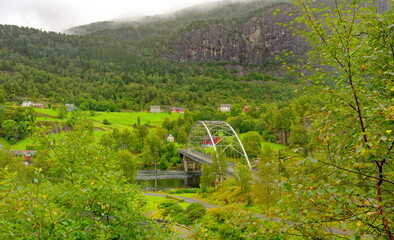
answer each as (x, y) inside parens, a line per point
(177, 109)
(208, 143)
(38, 105)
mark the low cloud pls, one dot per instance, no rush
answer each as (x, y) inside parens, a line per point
(60, 15)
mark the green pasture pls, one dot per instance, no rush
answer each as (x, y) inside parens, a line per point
(152, 203)
(120, 120)
(274, 146)
(21, 145)
(49, 112)
(131, 118)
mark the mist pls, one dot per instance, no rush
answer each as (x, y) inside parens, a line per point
(59, 15)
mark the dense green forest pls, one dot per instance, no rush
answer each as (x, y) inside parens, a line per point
(112, 74)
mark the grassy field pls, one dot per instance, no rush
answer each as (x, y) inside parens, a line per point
(21, 145)
(50, 112)
(120, 120)
(117, 119)
(153, 203)
(274, 146)
(130, 118)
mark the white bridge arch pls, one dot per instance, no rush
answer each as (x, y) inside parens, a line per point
(220, 137)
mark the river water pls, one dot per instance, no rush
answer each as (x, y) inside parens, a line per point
(167, 179)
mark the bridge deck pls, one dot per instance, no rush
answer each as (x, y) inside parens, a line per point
(202, 158)
(196, 156)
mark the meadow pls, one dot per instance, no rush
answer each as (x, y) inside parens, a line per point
(120, 120)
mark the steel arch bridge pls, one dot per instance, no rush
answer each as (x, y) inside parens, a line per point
(217, 137)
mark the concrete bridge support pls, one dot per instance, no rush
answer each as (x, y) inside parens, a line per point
(184, 160)
(188, 164)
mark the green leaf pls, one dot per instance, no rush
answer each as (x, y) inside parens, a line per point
(331, 190)
(320, 191)
(359, 149)
(337, 211)
(312, 160)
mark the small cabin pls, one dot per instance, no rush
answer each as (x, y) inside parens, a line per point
(27, 103)
(170, 138)
(155, 109)
(38, 105)
(177, 110)
(208, 143)
(225, 107)
(70, 107)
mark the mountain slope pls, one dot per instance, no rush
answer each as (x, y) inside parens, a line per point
(240, 33)
(152, 62)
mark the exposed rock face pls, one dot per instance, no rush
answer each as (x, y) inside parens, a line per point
(254, 41)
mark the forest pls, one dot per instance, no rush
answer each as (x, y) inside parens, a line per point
(320, 134)
(109, 74)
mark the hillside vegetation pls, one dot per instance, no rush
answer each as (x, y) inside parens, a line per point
(129, 68)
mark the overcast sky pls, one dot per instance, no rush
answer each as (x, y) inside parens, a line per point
(59, 15)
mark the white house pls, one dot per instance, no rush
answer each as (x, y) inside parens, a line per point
(27, 104)
(70, 107)
(155, 109)
(225, 107)
(170, 138)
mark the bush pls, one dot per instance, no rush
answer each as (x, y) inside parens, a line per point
(181, 218)
(195, 214)
(184, 190)
(106, 122)
(196, 206)
(175, 198)
(171, 207)
(195, 211)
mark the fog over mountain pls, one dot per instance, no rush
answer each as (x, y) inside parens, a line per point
(60, 15)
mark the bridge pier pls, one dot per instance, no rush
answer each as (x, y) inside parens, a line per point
(185, 167)
(188, 163)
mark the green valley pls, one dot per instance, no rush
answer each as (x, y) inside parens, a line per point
(283, 110)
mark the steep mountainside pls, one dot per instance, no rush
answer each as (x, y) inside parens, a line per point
(255, 40)
(241, 33)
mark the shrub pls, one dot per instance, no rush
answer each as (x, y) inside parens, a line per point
(106, 122)
(171, 207)
(195, 214)
(184, 190)
(196, 206)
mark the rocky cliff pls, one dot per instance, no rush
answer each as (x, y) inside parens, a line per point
(236, 32)
(253, 41)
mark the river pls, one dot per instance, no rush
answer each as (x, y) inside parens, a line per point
(167, 179)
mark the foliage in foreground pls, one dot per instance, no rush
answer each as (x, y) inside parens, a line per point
(172, 210)
(350, 63)
(78, 191)
(234, 223)
(346, 180)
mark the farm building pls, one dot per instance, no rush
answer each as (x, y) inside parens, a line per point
(27, 154)
(27, 103)
(225, 107)
(170, 138)
(38, 105)
(208, 143)
(155, 109)
(177, 109)
(70, 107)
